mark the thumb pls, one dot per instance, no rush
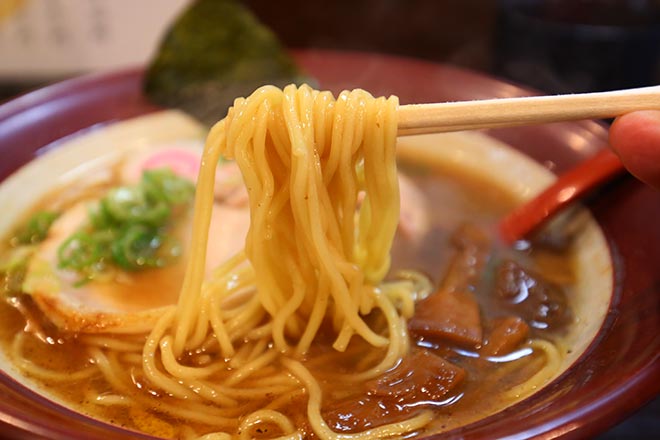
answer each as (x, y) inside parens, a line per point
(635, 137)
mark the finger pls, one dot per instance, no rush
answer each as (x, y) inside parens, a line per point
(635, 137)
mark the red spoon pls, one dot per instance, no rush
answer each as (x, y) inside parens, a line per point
(569, 187)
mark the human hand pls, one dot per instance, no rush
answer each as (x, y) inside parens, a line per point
(635, 137)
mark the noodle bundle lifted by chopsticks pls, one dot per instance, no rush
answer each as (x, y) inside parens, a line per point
(315, 248)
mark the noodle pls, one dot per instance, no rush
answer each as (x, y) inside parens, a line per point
(318, 252)
(316, 247)
(322, 429)
(31, 369)
(541, 377)
(267, 416)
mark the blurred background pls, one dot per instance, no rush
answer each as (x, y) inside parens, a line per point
(555, 46)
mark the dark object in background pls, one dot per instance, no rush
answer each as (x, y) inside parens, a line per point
(567, 46)
(452, 31)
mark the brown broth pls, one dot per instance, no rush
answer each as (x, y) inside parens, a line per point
(454, 200)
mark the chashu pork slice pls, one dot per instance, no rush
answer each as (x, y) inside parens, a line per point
(127, 302)
(131, 302)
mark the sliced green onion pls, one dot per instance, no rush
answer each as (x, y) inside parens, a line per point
(37, 227)
(79, 251)
(136, 248)
(163, 184)
(99, 216)
(129, 227)
(131, 205)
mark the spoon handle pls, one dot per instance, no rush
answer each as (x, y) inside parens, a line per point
(568, 188)
(510, 112)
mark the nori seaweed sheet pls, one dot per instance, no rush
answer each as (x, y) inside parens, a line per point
(216, 51)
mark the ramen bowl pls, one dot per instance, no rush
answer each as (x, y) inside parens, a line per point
(614, 368)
